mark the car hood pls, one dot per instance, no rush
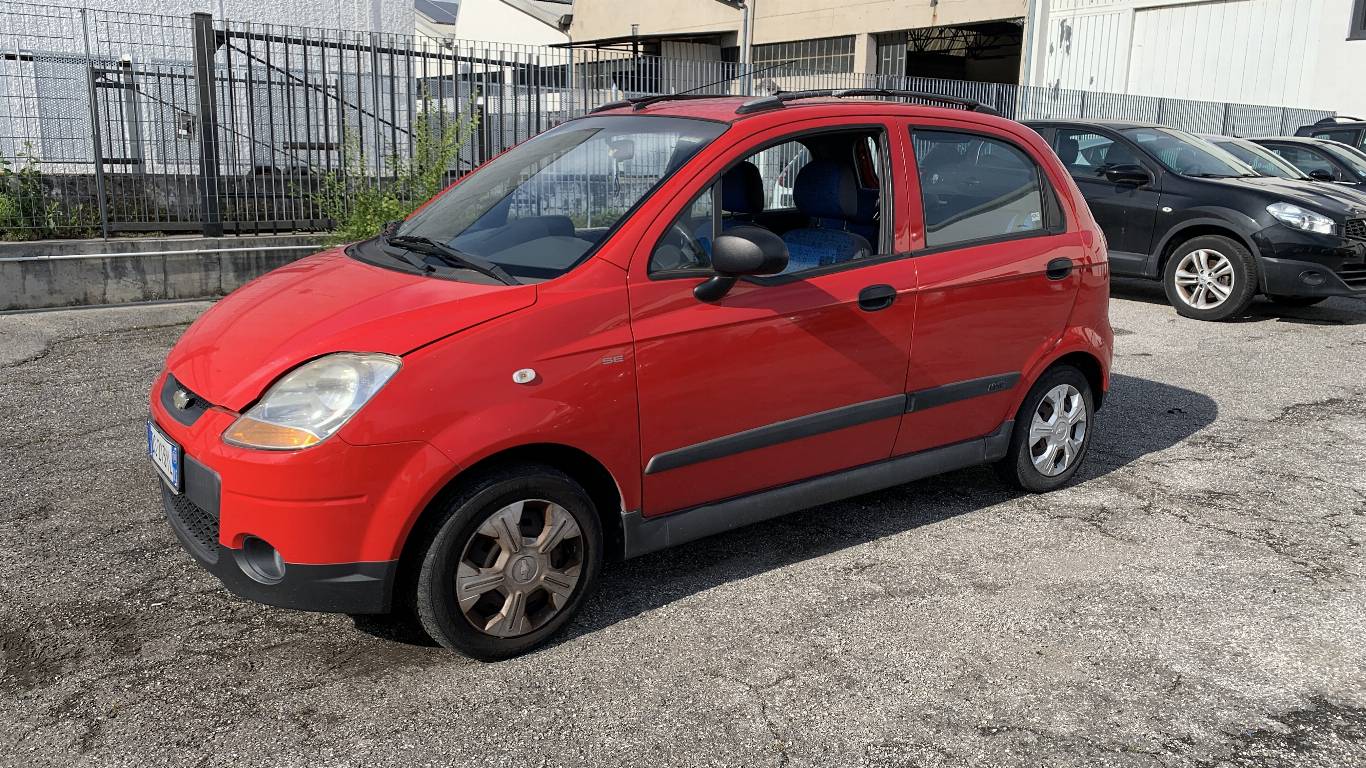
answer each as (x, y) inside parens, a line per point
(1303, 193)
(325, 303)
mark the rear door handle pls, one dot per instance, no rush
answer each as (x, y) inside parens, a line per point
(1059, 269)
(876, 297)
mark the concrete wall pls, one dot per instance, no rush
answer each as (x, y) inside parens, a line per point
(777, 21)
(1276, 52)
(67, 273)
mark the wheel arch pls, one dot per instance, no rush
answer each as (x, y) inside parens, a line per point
(1090, 367)
(1201, 228)
(579, 465)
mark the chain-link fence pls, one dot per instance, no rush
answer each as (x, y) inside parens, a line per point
(116, 122)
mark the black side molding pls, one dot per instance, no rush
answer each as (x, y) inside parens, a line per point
(829, 421)
(642, 536)
(960, 390)
(781, 432)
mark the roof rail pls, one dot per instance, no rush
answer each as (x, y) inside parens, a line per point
(641, 102)
(779, 99)
(1336, 118)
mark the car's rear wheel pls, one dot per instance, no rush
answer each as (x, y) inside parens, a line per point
(1211, 277)
(516, 555)
(1296, 301)
(1052, 432)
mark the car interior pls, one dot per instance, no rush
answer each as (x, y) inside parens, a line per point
(832, 214)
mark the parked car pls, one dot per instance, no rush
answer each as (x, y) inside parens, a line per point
(1268, 163)
(470, 413)
(1342, 128)
(1178, 209)
(1321, 159)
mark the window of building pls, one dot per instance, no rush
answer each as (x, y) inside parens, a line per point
(1358, 30)
(826, 54)
(975, 189)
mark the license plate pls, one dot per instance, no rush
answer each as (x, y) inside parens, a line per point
(165, 454)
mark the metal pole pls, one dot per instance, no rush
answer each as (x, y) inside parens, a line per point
(96, 143)
(210, 202)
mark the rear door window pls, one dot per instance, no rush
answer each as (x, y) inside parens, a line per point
(976, 188)
(1344, 135)
(1306, 159)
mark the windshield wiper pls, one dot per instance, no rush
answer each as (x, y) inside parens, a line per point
(1213, 176)
(450, 256)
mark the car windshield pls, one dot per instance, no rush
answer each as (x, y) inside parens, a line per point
(1260, 159)
(1187, 154)
(541, 208)
(1350, 156)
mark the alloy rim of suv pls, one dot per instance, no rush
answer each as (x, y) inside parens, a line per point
(1204, 278)
(519, 568)
(1057, 430)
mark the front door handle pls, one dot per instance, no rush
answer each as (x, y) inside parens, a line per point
(1059, 269)
(876, 297)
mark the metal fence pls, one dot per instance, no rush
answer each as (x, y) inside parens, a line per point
(116, 122)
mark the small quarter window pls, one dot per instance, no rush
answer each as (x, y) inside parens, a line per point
(976, 188)
(686, 246)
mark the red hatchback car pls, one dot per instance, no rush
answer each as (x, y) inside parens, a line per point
(613, 339)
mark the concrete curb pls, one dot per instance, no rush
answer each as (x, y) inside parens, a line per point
(67, 274)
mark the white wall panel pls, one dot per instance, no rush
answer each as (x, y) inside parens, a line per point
(1280, 52)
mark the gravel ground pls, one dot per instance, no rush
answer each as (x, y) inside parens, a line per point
(1198, 598)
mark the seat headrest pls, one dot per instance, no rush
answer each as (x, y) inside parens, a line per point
(1068, 150)
(742, 189)
(826, 189)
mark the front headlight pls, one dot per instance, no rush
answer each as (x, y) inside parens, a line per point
(312, 401)
(1299, 218)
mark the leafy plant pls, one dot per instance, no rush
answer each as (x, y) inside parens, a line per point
(360, 205)
(26, 212)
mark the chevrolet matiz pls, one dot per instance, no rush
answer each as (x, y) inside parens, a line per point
(619, 337)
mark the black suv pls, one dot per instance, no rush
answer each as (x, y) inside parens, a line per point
(1178, 209)
(1348, 130)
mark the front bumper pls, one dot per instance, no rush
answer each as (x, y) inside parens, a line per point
(1295, 263)
(339, 587)
(336, 514)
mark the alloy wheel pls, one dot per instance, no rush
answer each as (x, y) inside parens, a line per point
(1204, 278)
(520, 568)
(1057, 430)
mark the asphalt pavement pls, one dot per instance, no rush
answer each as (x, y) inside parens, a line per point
(1196, 598)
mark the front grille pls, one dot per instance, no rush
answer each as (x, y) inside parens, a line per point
(194, 408)
(197, 526)
(1355, 229)
(1354, 275)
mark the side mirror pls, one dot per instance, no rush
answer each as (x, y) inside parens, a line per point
(742, 251)
(1318, 174)
(1128, 173)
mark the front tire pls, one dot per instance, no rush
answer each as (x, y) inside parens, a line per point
(517, 553)
(1052, 432)
(1211, 277)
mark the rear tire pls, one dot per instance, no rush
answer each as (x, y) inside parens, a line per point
(1052, 432)
(1297, 301)
(1211, 277)
(517, 553)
